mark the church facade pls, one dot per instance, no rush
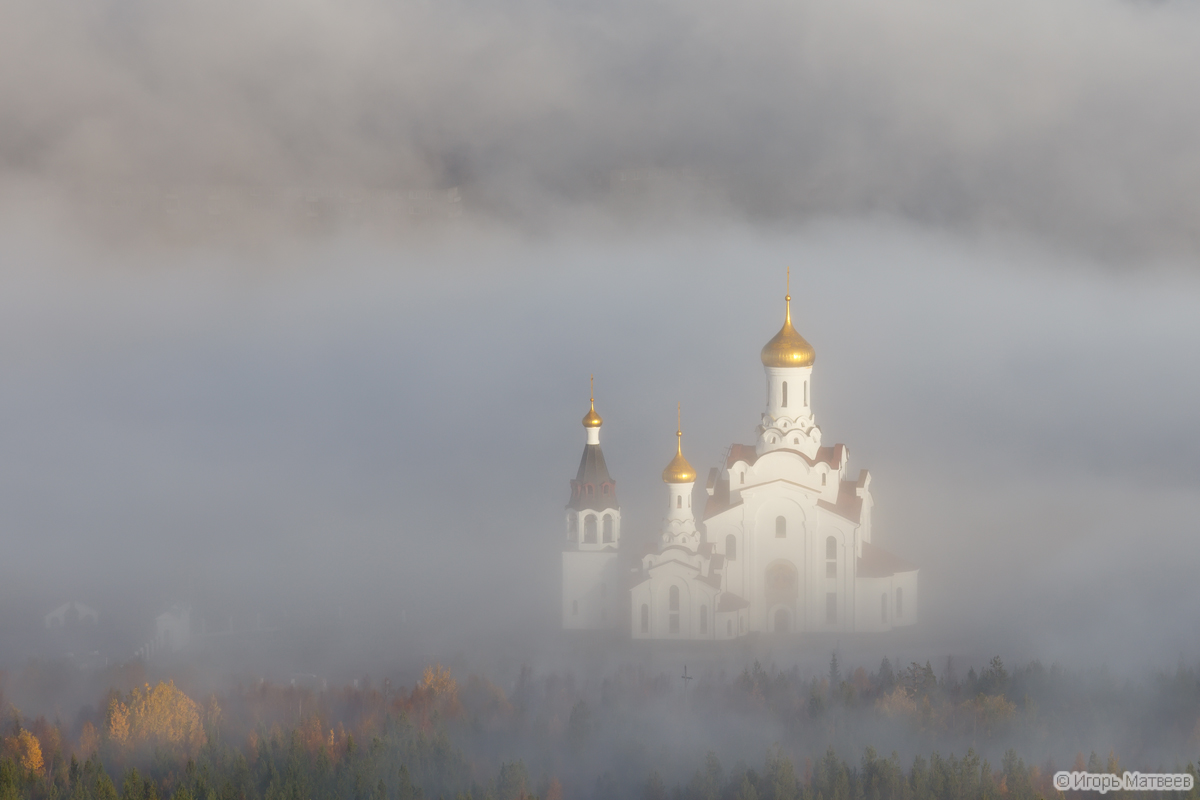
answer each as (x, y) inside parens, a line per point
(782, 545)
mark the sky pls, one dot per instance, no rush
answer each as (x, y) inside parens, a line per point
(300, 301)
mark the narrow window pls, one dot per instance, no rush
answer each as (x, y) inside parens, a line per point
(605, 488)
(899, 603)
(823, 479)
(883, 606)
(704, 619)
(806, 393)
(673, 599)
(743, 477)
(645, 618)
(679, 501)
(831, 608)
(589, 530)
(796, 440)
(575, 608)
(780, 528)
(731, 547)
(785, 394)
(608, 528)
(830, 557)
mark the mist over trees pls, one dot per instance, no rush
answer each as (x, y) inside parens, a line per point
(766, 733)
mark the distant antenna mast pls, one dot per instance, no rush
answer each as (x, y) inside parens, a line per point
(686, 677)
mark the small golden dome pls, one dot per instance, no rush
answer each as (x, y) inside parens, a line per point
(592, 419)
(788, 348)
(679, 470)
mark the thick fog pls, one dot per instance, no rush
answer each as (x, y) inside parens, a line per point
(383, 438)
(1071, 120)
(299, 304)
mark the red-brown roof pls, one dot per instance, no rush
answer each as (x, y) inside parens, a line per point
(719, 500)
(848, 505)
(741, 452)
(879, 563)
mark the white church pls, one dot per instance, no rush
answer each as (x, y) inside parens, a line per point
(783, 544)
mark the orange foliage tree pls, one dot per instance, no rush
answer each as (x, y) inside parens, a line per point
(24, 749)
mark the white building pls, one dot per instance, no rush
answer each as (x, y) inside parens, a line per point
(783, 544)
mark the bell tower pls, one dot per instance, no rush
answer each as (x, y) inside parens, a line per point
(591, 594)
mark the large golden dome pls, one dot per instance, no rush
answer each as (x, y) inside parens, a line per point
(679, 470)
(788, 348)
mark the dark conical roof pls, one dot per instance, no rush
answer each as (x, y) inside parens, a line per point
(593, 488)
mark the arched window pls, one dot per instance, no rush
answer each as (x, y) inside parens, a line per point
(899, 603)
(604, 488)
(673, 607)
(704, 619)
(743, 477)
(679, 501)
(645, 618)
(589, 530)
(785, 394)
(780, 527)
(823, 476)
(830, 557)
(731, 547)
(608, 528)
(806, 393)
(883, 606)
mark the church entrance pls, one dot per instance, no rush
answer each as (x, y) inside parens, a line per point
(783, 621)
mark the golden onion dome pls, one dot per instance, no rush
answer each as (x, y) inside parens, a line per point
(592, 419)
(679, 470)
(788, 348)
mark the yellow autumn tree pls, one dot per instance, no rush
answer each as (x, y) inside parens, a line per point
(118, 721)
(159, 716)
(24, 749)
(437, 684)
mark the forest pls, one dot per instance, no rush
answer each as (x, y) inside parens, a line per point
(763, 734)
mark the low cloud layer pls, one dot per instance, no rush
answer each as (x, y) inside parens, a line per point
(1072, 121)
